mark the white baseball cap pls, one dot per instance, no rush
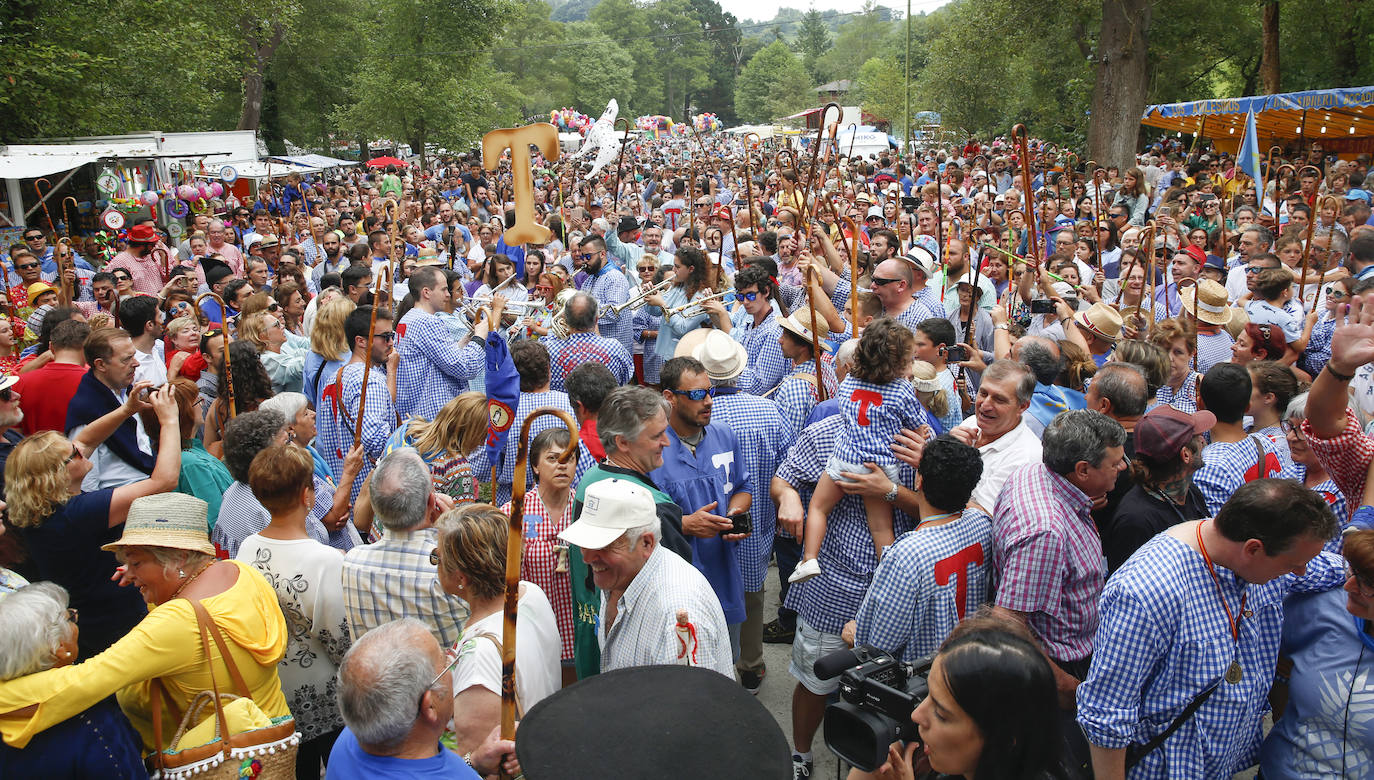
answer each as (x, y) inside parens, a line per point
(609, 509)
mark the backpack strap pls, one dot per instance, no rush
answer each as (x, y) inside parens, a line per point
(495, 640)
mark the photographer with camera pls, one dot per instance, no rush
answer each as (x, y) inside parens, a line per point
(983, 707)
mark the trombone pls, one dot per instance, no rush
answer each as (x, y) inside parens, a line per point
(641, 298)
(695, 308)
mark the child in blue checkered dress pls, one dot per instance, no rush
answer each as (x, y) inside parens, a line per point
(876, 400)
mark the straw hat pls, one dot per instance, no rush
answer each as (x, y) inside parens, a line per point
(800, 324)
(173, 520)
(723, 357)
(1100, 320)
(1213, 306)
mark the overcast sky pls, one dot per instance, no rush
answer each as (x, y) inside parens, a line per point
(763, 10)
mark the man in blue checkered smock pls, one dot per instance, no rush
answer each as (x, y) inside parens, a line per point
(1234, 457)
(433, 369)
(939, 573)
(755, 325)
(1171, 626)
(796, 395)
(584, 346)
(337, 416)
(826, 602)
(608, 287)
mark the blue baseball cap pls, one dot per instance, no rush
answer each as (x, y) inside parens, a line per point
(1358, 195)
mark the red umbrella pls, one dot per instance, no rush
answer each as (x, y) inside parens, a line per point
(382, 162)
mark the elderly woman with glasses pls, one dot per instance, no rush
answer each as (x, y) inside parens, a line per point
(38, 631)
(282, 353)
(471, 557)
(63, 527)
(1308, 470)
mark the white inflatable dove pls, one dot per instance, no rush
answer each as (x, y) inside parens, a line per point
(601, 139)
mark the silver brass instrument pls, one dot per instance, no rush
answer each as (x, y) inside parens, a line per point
(558, 324)
(641, 298)
(695, 308)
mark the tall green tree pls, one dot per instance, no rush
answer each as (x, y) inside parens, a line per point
(813, 41)
(773, 84)
(879, 90)
(858, 40)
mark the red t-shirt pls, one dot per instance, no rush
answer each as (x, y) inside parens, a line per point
(592, 442)
(45, 394)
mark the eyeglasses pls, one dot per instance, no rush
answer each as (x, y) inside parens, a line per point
(450, 660)
(120, 277)
(696, 395)
(1362, 581)
(1254, 269)
(1293, 428)
(648, 269)
(34, 237)
(76, 455)
(588, 257)
(879, 281)
(273, 307)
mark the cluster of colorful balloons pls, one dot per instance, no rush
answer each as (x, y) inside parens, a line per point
(655, 126)
(706, 123)
(568, 120)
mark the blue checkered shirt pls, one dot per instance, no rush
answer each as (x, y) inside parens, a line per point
(578, 348)
(766, 364)
(611, 287)
(1048, 558)
(1228, 465)
(919, 311)
(335, 419)
(1164, 637)
(928, 581)
(1318, 351)
(1334, 497)
(394, 579)
(1185, 399)
(764, 437)
(433, 369)
(241, 516)
(527, 405)
(1213, 348)
(871, 426)
(645, 320)
(848, 560)
(797, 397)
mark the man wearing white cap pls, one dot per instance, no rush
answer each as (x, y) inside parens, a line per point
(649, 595)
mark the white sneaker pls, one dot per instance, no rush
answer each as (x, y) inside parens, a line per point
(805, 571)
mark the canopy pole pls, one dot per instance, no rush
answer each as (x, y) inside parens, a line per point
(1302, 131)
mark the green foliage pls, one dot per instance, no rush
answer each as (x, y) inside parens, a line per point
(813, 40)
(860, 39)
(879, 89)
(773, 84)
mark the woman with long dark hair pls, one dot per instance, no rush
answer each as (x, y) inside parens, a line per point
(691, 281)
(1134, 196)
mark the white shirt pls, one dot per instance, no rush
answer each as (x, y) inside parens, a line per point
(1014, 449)
(645, 630)
(151, 365)
(108, 469)
(537, 650)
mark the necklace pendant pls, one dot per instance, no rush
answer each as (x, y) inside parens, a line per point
(1234, 673)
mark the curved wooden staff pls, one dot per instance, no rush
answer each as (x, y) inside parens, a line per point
(1018, 134)
(748, 184)
(514, 549)
(1278, 182)
(852, 138)
(853, 253)
(66, 215)
(392, 210)
(1197, 288)
(1149, 286)
(43, 201)
(691, 199)
(384, 273)
(164, 264)
(620, 161)
(224, 328)
(815, 332)
(63, 264)
(1312, 203)
(811, 174)
(1307, 246)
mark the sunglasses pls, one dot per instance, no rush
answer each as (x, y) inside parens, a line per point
(879, 281)
(696, 395)
(750, 296)
(76, 455)
(391, 336)
(1254, 269)
(33, 237)
(26, 266)
(120, 277)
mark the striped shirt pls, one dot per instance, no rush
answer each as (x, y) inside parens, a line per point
(645, 628)
(540, 561)
(394, 579)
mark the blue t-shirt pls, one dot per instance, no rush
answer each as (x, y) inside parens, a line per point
(348, 761)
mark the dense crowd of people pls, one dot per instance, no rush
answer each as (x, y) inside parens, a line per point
(1092, 439)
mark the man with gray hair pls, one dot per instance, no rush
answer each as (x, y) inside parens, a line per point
(1043, 358)
(998, 428)
(584, 345)
(633, 427)
(396, 578)
(382, 677)
(655, 608)
(1046, 553)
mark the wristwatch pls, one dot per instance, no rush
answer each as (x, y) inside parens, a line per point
(891, 495)
(1000, 326)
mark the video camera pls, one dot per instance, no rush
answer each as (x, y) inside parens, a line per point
(878, 693)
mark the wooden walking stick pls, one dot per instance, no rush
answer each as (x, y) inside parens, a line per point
(224, 328)
(748, 185)
(815, 155)
(163, 263)
(815, 332)
(514, 549)
(64, 262)
(384, 274)
(1018, 134)
(43, 201)
(620, 161)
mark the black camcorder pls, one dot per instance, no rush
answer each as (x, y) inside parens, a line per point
(878, 693)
